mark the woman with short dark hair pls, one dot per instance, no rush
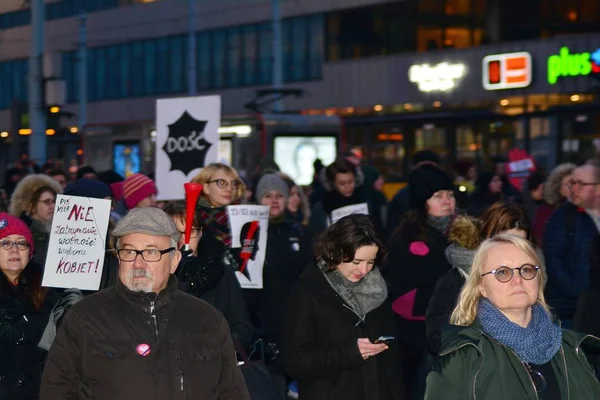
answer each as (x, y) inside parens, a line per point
(335, 317)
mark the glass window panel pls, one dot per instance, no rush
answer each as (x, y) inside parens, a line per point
(286, 48)
(162, 71)
(429, 38)
(299, 64)
(265, 53)
(124, 70)
(249, 59)
(234, 53)
(458, 7)
(91, 74)
(203, 62)
(112, 72)
(177, 62)
(150, 67)
(218, 58)
(137, 70)
(100, 73)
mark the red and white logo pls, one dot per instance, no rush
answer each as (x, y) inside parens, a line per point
(507, 71)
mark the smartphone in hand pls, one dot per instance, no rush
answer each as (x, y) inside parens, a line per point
(384, 339)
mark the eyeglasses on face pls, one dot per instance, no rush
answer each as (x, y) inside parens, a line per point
(194, 233)
(574, 183)
(223, 184)
(149, 255)
(48, 202)
(21, 244)
(505, 274)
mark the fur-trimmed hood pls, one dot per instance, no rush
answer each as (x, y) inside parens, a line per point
(20, 200)
(552, 186)
(328, 185)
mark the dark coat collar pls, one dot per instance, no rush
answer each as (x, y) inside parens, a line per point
(143, 301)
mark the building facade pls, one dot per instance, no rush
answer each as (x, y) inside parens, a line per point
(470, 78)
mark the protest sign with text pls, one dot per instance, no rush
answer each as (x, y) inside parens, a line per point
(77, 243)
(249, 225)
(340, 213)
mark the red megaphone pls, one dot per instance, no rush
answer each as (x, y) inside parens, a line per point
(192, 192)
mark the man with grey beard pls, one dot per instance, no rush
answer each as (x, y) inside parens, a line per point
(143, 338)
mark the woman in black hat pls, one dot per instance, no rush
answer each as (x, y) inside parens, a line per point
(417, 260)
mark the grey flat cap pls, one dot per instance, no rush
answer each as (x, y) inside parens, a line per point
(151, 221)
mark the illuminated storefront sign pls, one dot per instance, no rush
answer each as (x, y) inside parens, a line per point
(507, 71)
(441, 77)
(567, 64)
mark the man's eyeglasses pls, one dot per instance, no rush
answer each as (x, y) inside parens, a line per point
(48, 202)
(223, 184)
(21, 244)
(582, 183)
(194, 233)
(505, 274)
(149, 255)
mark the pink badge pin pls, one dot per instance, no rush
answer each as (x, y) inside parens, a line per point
(143, 349)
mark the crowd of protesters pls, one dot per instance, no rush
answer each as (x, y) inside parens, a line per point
(460, 287)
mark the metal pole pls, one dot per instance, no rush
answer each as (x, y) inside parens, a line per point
(82, 64)
(192, 48)
(277, 52)
(37, 114)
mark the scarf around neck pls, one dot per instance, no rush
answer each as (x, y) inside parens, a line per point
(460, 258)
(363, 296)
(440, 223)
(215, 220)
(536, 344)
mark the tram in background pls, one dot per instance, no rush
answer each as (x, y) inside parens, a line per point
(293, 141)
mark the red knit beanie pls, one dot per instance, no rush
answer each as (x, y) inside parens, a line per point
(136, 188)
(10, 225)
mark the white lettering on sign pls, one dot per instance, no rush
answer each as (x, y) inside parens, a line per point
(437, 78)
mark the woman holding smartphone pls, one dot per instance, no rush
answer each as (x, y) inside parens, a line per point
(335, 316)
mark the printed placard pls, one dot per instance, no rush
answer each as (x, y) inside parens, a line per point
(187, 139)
(361, 208)
(77, 243)
(249, 225)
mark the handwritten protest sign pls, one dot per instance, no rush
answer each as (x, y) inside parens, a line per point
(77, 243)
(249, 226)
(340, 213)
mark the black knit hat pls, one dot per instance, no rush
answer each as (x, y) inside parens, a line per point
(424, 182)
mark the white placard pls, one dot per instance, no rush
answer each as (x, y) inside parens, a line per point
(340, 213)
(187, 139)
(249, 225)
(77, 243)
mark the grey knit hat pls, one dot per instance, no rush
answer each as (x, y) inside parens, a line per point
(271, 183)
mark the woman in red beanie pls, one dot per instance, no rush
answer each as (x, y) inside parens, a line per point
(25, 308)
(139, 191)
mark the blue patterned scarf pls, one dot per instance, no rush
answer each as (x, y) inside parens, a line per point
(536, 344)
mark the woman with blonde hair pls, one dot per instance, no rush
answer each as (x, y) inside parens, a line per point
(222, 187)
(504, 342)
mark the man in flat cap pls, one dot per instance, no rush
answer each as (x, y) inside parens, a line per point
(143, 338)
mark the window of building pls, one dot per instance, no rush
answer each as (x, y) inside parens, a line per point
(162, 66)
(112, 66)
(265, 54)
(125, 71)
(100, 73)
(234, 57)
(219, 43)
(150, 50)
(249, 54)
(177, 44)
(203, 58)
(316, 38)
(137, 68)
(298, 66)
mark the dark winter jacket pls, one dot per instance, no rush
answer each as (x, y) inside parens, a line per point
(474, 366)
(441, 305)
(320, 348)
(288, 253)
(118, 344)
(211, 277)
(399, 206)
(415, 266)
(567, 243)
(21, 327)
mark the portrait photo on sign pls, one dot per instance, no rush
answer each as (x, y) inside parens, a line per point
(187, 139)
(249, 225)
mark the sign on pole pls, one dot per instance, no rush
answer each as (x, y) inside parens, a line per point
(187, 139)
(77, 243)
(249, 225)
